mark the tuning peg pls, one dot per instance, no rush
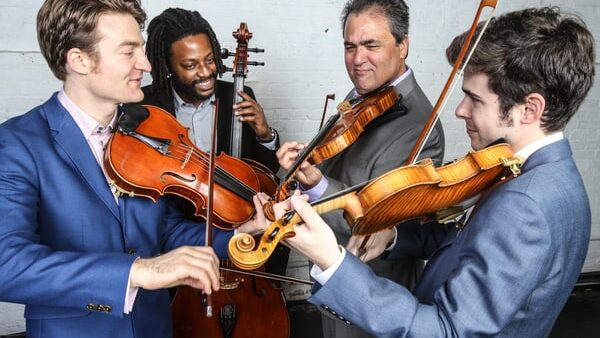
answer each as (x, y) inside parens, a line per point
(254, 63)
(256, 50)
(228, 69)
(225, 53)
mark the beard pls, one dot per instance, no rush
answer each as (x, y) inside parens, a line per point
(188, 91)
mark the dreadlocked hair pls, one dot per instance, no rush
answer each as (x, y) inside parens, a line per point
(167, 28)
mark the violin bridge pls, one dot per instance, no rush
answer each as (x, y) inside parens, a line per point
(187, 158)
(513, 164)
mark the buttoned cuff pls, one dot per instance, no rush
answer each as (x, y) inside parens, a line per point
(323, 276)
(317, 191)
(130, 294)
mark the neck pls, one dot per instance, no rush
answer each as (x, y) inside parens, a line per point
(100, 110)
(526, 138)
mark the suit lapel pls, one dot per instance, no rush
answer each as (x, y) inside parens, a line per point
(69, 138)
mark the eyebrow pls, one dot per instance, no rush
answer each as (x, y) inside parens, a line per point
(471, 94)
(131, 44)
(361, 43)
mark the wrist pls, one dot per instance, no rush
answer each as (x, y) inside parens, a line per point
(330, 257)
(268, 137)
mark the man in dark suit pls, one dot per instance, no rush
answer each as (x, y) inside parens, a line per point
(186, 60)
(511, 267)
(82, 259)
(376, 47)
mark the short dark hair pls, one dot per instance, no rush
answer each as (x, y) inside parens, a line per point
(542, 51)
(396, 11)
(170, 26)
(66, 24)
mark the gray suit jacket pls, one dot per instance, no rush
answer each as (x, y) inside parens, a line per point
(507, 274)
(384, 145)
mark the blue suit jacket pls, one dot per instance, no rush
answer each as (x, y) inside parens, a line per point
(507, 274)
(66, 247)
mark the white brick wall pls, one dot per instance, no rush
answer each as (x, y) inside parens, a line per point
(303, 60)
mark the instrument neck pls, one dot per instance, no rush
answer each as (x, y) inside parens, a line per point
(236, 124)
(311, 146)
(346, 200)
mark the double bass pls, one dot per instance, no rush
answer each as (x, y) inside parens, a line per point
(246, 306)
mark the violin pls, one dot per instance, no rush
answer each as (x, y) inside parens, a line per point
(284, 190)
(150, 154)
(418, 191)
(339, 133)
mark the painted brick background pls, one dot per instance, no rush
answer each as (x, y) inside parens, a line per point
(303, 57)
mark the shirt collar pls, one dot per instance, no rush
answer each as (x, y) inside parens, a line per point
(179, 103)
(534, 146)
(88, 125)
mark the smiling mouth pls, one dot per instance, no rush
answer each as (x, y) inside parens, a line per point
(203, 84)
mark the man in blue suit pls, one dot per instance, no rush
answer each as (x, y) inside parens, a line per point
(84, 261)
(508, 271)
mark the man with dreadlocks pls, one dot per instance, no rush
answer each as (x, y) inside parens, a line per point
(185, 56)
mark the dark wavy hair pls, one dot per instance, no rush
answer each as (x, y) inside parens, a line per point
(170, 26)
(535, 50)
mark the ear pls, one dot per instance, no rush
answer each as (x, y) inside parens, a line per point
(533, 109)
(404, 45)
(78, 61)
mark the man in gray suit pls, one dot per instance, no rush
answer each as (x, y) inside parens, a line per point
(508, 271)
(376, 46)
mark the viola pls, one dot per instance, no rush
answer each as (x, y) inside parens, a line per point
(153, 156)
(409, 192)
(339, 133)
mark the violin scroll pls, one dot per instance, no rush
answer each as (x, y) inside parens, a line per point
(247, 255)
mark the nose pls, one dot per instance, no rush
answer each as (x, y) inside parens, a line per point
(463, 109)
(143, 64)
(203, 70)
(359, 56)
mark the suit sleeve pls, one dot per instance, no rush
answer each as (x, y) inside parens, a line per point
(499, 266)
(180, 231)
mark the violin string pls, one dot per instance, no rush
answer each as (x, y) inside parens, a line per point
(227, 180)
(201, 160)
(268, 276)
